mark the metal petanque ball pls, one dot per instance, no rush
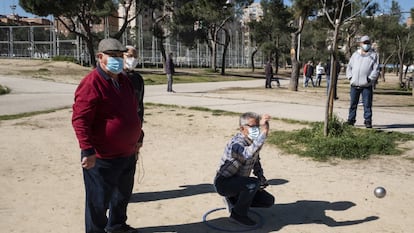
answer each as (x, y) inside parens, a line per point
(380, 192)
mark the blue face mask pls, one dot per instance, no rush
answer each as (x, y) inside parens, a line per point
(115, 65)
(254, 133)
(366, 47)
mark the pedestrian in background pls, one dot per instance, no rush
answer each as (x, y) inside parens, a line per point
(269, 73)
(169, 70)
(130, 62)
(309, 74)
(320, 70)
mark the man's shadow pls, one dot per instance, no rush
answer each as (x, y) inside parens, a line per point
(184, 191)
(271, 219)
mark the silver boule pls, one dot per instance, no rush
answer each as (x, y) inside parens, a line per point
(380, 192)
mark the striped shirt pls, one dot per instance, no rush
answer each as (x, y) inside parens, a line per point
(241, 156)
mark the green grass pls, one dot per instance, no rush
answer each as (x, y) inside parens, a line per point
(27, 114)
(344, 142)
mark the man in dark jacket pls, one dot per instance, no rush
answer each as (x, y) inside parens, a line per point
(108, 128)
(169, 70)
(309, 74)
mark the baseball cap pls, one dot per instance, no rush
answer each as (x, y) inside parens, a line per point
(111, 44)
(364, 39)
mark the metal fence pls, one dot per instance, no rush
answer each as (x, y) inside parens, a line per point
(44, 42)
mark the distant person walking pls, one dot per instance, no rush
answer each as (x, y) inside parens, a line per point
(362, 71)
(320, 70)
(269, 75)
(309, 74)
(169, 70)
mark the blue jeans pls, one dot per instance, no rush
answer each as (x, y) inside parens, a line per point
(307, 81)
(246, 192)
(108, 185)
(355, 93)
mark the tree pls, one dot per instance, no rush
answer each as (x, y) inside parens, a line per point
(336, 15)
(207, 18)
(77, 16)
(301, 10)
(267, 32)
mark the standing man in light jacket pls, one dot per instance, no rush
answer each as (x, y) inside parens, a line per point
(362, 71)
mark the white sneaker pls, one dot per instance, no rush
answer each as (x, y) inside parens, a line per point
(228, 204)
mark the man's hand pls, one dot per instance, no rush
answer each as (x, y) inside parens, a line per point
(264, 123)
(263, 182)
(88, 162)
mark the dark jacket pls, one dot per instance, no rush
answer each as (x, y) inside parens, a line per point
(169, 66)
(309, 70)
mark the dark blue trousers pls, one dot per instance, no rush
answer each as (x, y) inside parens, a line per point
(245, 191)
(108, 186)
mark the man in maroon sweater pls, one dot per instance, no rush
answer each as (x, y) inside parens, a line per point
(108, 128)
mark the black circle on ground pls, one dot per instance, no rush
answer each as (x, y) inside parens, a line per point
(257, 226)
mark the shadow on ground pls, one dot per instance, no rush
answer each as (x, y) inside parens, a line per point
(274, 218)
(271, 219)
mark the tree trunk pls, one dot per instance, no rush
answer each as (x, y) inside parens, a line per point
(226, 45)
(294, 77)
(163, 53)
(91, 50)
(252, 58)
(334, 79)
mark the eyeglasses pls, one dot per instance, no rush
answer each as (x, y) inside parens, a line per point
(114, 54)
(366, 42)
(251, 126)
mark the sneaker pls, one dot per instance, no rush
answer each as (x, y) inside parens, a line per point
(242, 220)
(124, 229)
(229, 205)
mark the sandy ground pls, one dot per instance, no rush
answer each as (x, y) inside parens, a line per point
(42, 186)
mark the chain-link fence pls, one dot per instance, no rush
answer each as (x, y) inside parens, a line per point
(44, 42)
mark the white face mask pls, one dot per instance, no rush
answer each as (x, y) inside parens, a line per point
(131, 63)
(254, 133)
(366, 47)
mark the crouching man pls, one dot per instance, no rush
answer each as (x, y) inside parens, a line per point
(240, 157)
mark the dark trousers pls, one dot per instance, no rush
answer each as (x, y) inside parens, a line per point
(108, 185)
(269, 81)
(169, 82)
(367, 101)
(245, 191)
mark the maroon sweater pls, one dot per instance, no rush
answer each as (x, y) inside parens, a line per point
(105, 117)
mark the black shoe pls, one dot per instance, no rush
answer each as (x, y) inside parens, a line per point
(351, 123)
(368, 124)
(243, 220)
(124, 229)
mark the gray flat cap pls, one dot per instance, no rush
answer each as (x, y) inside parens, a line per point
(111, 44)
(364, 38)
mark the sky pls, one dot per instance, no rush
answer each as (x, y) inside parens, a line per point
(5, 9)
